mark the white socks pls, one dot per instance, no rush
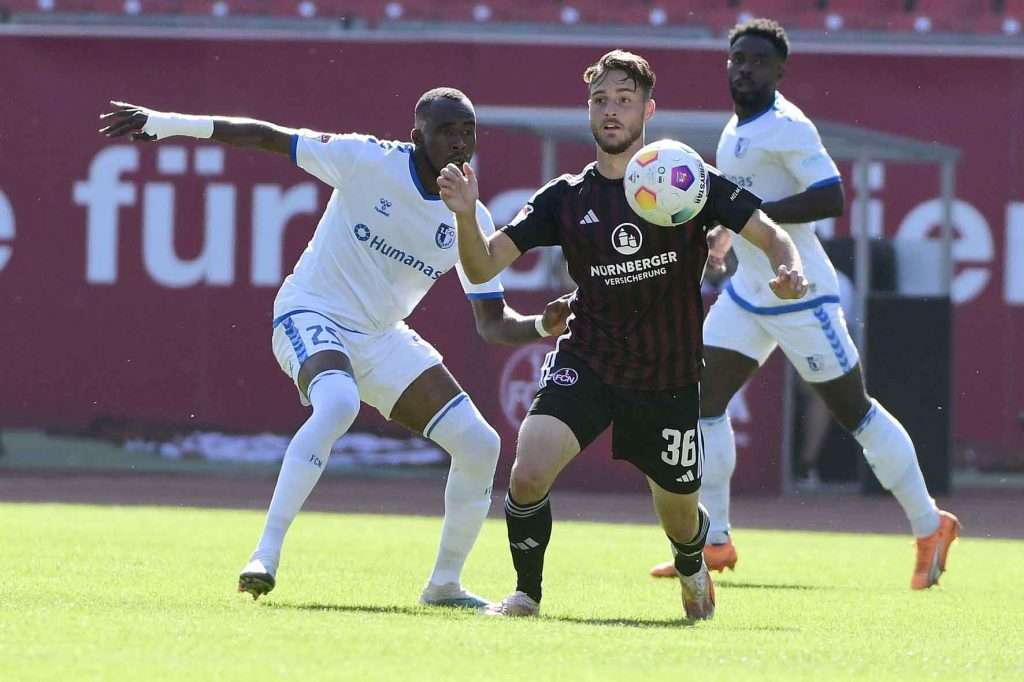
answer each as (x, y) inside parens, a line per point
(719, 463)
(891, 455)
(887, 448)
(335, 401)
(474, 446)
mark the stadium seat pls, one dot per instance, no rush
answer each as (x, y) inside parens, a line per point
(962, 16)
(865, 14)
(948, 15)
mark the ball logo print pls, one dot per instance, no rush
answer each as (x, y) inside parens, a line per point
(361, 231)
(682, 177)
(627, 239)
(565, 376)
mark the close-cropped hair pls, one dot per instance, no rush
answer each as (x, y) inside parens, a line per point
(764, 28)
(635, 66)
(431, 96)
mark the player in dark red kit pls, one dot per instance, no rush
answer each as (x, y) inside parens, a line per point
(631, 357)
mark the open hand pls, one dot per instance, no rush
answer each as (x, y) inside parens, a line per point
(127, 119)
(459, 189)
(789, 283)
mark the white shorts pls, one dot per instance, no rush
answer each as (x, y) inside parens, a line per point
(815, 340)
(385, 363)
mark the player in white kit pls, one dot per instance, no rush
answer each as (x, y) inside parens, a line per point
(383, 240)
(770, 148)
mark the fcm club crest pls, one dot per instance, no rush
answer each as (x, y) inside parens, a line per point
(445, 236)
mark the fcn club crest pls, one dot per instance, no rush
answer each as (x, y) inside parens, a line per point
(445, 237)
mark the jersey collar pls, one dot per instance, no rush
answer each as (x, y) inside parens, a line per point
(751, 119)
(419, 185)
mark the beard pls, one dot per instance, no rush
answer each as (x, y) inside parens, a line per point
(750, 99)
(619, 147)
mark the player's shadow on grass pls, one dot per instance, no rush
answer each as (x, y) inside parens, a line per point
(352, 608)
(769, 586)
(641, 623)
(666, 623)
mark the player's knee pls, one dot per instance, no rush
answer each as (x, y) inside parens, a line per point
(852, 411)
(464, 433)
(335, 400)
(529, 482)
(482, 445)
(714, 399)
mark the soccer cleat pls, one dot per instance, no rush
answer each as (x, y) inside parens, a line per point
(515, 605)
(717, 557)
(453, 595)
(665, 570)
(257, 578)
(932, 551)
(720, 557)
(698, 594)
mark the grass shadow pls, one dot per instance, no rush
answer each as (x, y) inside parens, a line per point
(364, 608)
(769, 586)
(640, 623)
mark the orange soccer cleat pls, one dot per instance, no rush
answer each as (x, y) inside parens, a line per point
(717, 557)
(932, 551)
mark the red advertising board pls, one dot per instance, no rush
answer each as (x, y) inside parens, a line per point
(137, 280)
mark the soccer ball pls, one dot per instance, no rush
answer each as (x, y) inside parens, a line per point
(666, 183)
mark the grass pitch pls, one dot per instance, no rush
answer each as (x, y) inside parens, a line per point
(134, 593)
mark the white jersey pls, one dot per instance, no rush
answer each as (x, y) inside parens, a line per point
(776, 154)
(382, 241)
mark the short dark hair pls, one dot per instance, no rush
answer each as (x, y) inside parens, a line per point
(633, 64)
(764, 28)
(428, 98)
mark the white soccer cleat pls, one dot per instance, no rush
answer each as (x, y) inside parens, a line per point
(452, 595)
(698, 594)
(515, 605)
(257, 578)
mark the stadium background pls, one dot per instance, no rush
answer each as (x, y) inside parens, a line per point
(138, 279)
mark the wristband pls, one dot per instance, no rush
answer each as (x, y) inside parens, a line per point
(538, 322)
(166, 125)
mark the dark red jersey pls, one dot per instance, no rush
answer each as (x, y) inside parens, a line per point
(637, 312)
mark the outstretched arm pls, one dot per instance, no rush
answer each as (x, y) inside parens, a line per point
(789, 281)
(482, 257)
(496, 322)
(148, 125)
(815, 203)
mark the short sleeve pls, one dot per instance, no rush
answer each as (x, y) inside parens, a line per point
(491, 288)
(332, 158)
(805, 157)
(728, 204)
(536, 223)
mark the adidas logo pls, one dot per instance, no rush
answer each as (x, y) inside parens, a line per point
(590, 218)
(526, 545)
(685, 478)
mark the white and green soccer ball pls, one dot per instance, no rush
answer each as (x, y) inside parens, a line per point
(666, 183)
